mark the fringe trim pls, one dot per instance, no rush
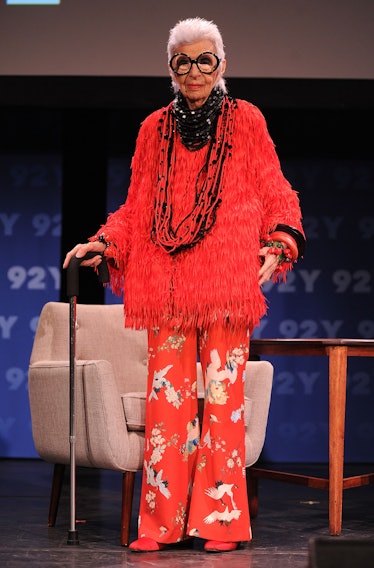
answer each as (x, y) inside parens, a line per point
(203, 286)
(187, 321)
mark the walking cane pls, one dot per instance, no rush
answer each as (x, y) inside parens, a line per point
(72, 289)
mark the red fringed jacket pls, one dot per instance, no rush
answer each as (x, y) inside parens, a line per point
(217, 278)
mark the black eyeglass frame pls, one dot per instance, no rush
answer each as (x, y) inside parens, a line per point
(196, 61)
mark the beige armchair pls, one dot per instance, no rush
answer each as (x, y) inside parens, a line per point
(110, 384)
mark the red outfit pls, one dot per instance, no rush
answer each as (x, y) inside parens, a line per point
(194, 486)
(218, 277)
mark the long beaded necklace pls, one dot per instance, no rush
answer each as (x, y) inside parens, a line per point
(201, 218)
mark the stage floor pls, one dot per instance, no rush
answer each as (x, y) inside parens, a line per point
(290, 518)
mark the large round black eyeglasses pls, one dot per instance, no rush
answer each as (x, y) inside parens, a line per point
(207, 62)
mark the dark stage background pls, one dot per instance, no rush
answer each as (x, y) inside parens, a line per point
(64, 163)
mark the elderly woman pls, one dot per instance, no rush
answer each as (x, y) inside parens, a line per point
(208, 219)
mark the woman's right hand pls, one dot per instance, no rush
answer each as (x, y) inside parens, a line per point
(270, 263)
(80, 250)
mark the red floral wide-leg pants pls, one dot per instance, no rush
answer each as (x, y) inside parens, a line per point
(194, 480)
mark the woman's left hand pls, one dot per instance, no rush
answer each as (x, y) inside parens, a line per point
(270, 263)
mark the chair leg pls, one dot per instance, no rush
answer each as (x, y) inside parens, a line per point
(57, 482)
(128, 481)
(252, 489)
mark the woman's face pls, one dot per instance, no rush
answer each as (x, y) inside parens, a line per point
(196, 86)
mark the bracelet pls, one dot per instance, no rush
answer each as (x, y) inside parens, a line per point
(295, 234)
(278, 248)
(102, 239)
(288, 240)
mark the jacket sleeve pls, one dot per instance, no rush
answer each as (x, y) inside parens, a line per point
(280, 203)
(118, 231)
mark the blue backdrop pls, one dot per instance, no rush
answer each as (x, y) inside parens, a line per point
(30, 225)
(329, 294)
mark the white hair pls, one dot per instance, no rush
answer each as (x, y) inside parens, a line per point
(192, 30)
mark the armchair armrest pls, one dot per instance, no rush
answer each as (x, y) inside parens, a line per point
(102, 439)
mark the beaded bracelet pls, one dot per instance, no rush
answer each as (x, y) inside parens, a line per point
(278, 248)
(101, 239)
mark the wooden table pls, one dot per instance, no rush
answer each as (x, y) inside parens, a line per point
(338, 351)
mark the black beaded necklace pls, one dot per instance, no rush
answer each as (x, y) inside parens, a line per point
(197, 126)
(208, 184)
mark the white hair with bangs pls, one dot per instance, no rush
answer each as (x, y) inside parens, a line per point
(192, 30)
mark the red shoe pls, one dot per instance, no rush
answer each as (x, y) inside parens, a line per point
(219, 546)
(145, 544)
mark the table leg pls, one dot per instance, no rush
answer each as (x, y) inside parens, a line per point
(337, 404)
